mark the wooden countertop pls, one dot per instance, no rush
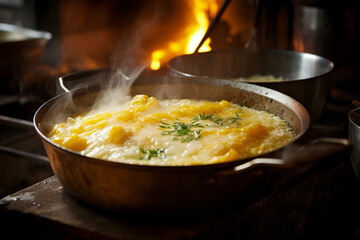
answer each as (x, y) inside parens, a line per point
(322, 200)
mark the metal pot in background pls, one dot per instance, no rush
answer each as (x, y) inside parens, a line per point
(305, 75)
(20, 49)
(313, 31)
(331, 29)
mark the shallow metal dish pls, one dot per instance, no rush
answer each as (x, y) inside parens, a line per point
(305, 75)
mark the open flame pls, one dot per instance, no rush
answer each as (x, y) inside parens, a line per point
(202, 11)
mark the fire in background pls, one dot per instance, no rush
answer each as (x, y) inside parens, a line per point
(97, 33)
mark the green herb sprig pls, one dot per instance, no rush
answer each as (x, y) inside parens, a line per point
(231, 121)
(181, 131)
(151, 153)
(186, 132)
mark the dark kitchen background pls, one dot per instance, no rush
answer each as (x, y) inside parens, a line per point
(91, 34)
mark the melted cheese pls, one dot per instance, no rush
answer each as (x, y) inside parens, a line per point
(173, 132)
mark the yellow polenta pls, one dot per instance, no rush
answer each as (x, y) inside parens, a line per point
(173, 132)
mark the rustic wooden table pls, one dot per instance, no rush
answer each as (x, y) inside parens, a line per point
(321, 200)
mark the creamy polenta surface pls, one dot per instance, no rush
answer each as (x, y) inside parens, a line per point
(261, 79)
(173, 132)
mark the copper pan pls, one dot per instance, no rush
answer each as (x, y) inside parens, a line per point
(199, 189)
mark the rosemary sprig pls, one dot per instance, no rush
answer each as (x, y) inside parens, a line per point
(151, 153)
(186, 132)
(218, 121)
(234, 120)
(182, 131)
(203, 117)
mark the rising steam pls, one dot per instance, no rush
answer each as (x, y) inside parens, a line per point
(137, 34)
(127, 66)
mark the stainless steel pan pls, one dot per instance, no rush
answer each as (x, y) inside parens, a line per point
(306, 76)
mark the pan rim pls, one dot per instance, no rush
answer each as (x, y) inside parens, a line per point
(263, 91)
(329, 63)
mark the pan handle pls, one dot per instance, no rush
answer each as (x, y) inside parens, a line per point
(293, 155)
(62, 85)
(84, 78)
(112, 76)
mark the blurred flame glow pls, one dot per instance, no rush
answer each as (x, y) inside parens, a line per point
(201, 10)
